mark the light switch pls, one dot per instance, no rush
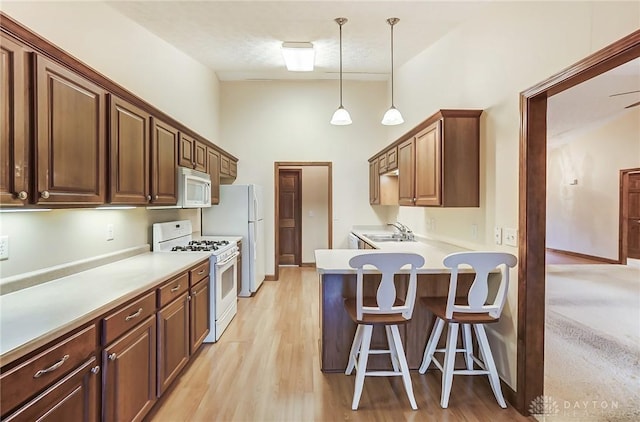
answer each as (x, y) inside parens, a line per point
(511, 237)
(497, 235)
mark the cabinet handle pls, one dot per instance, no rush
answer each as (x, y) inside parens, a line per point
(112, 356)
(134, 315)
(414, 200)
(95, 369)
(44, 194)
(23, 195)
(200, 272)
(52, 368)
(188, 297)
(175, 289)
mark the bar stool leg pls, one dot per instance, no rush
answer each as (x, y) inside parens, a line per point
(449, 361)
(404, 367)
(468, 345)
(355, 347)
(434, 338)
(362, 365)
(490, 365)
(392, 349)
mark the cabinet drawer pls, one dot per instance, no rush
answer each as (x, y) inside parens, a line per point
(198, 273)
(173, 289)
(35, 374)
(128, 317)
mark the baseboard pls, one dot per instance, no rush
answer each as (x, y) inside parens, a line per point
(308, 264)
(585, 256)
(270, 277)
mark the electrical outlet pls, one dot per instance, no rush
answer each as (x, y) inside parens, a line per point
(511, 237)
(497, 235)
(110, 232)
(474, 231)
(4, 247)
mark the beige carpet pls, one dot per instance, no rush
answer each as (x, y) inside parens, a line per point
(592, 343)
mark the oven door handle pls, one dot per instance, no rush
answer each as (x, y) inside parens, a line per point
(226, 261)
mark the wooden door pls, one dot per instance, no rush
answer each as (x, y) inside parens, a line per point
(290, 214)
(129, 384)
(200, 314)
(71, 146)
(633, 215)
(428, 169)
(173, 341)
(200, 156)
(129, 152)
(164, 159)
(213, 166)
(186, 156)
(14, 124)
(374, 182)
(406, 173)
(73, 398)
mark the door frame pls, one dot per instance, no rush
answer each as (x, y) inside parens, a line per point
(276, 174)
(532, 209)
(298, 212)
(623, 212)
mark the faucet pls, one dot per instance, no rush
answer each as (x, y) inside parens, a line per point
(405, 232)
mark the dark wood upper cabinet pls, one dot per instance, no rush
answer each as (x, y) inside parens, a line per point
(14, 124)
(193, 153)
(129, 154)
(164, 159)
(406, 170)
(70, 136)
(374, 182)
(427, 168)
(213, 164)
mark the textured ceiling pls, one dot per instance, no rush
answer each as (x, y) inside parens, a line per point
(241, 40)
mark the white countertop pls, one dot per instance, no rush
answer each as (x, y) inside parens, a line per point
(31, 317)
(336, 261)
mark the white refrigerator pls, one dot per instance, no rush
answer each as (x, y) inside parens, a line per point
(240, 213)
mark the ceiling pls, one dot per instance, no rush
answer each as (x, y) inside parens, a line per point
(240, 40)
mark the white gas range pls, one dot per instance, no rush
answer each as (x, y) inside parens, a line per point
(178, 237)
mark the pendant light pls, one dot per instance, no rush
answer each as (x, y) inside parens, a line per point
(341, 116)
(392, 116)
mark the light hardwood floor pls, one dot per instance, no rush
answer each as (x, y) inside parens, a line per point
(266, 368)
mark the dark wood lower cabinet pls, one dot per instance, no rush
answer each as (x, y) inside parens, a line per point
(129, 378)
(200, 310)
(73, 398)
(173, 341)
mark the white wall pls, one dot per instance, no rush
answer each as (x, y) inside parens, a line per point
(485, 63)
(585, 217)
(265, 122)
(148, 67)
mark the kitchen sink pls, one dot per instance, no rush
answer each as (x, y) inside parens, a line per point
(387, 238)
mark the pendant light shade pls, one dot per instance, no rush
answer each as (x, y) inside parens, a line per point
(341, 116)
(392, 116)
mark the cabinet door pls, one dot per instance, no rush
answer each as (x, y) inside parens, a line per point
(392, 159)
(200, 156)
(374, 182)
(224, 165)
(173, 341)
(233, 168)
(186, 157)
(164, 159)
(213, 165)
(406, 169)
(129, 145)
(382, 163)
(71, 146)
(14, 124)
(428, 166)
(73, 398)
(200, 312)
(129, 385)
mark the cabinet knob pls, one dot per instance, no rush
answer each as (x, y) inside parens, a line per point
(188, 297)
(23, 195)
(156, 197)
(148, 197)
(414, 200)
(95, 369)
(44, 194)
(112, 356)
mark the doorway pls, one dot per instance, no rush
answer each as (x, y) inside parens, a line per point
(532, 209)
(315, 210)
(629, 214)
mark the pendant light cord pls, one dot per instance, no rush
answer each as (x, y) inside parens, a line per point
(340, 23)
(392, 22)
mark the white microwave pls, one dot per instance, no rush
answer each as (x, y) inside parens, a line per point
(194, 188)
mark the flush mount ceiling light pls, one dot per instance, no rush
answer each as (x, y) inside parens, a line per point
(392, 116)
(341, 116)
(298, 56)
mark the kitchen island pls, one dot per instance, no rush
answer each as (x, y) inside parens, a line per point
(338, 281)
